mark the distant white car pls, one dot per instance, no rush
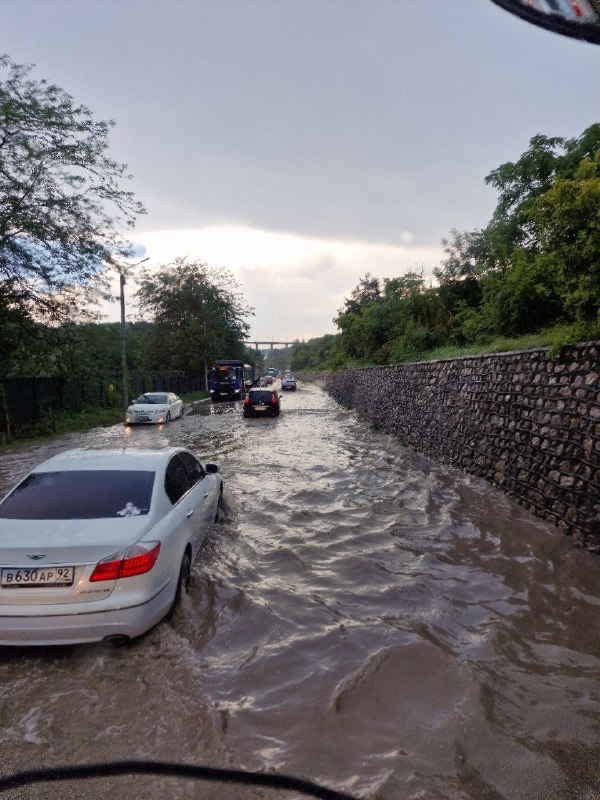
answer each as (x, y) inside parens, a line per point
(154, 407)
(288, 382)
(98, 544)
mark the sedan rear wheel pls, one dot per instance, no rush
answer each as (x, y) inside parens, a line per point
(219, 505)
(183, 584)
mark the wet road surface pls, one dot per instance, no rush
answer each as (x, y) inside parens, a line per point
(361, 616)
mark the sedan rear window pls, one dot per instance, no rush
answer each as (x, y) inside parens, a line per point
(80, 494)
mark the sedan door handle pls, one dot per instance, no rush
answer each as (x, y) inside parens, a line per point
(206, 495)
(190, 512)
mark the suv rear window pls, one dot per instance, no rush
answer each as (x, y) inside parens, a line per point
(80, 494)
(261, 397)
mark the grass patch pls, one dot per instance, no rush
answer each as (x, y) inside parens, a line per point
(548, 338)
(88, 418)
(191, 397)
(53, 424)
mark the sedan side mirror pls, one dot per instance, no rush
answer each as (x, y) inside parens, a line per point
(579, 19)
(211, 467)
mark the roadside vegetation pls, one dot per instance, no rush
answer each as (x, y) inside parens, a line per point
(65, 211)
(530, 278)
(56, 423)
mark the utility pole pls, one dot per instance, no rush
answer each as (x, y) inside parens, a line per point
(205, 360)
(123, 337)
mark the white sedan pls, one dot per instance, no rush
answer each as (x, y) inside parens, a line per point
(154, 407)
(98, 544)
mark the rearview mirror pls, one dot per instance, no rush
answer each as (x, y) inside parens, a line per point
(579, 19)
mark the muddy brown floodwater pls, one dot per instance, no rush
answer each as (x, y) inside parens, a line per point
(362, 616)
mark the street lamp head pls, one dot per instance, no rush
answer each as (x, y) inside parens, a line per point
(122, 273)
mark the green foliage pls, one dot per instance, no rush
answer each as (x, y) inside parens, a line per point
(413, 344)
(535, 265)
(407, 317)
(366, 293)
(567, 221)
(252, 356)
(323, 353)
(192, 397)
(61, 212)
(55, 423)
(199, 315)
(91, 348)
(573, 334)
(520, 184)
(57, 190)
(522, 299)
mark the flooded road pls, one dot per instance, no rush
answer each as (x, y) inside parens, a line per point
(362, 616)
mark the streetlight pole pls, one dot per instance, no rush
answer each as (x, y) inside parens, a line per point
(205, 360)
(123, 337)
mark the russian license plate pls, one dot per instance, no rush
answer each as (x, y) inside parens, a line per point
(143, 419)
(19, 577)
(260, 408)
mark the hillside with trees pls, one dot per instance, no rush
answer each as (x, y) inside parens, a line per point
(535, 267)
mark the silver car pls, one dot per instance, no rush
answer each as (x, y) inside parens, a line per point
(154, 407)
(98, 544)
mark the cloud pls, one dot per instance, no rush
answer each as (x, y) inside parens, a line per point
(295, 283)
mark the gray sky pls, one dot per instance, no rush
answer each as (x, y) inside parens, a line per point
(302, 143)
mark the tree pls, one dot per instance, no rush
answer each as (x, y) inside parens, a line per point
(536, 263)
(15, 323)
(322, 353)
(567, 221)
(404, 317)
(520, 183)
(522, 299)
(61, 205)
(199, 314)
(468, 255)
(363, 295)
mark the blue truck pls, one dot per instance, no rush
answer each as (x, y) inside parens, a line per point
(230, 380)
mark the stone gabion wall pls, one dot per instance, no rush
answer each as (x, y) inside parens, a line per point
(528, 423)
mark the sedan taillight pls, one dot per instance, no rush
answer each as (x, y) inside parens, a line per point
(135, 560)
(247, 400)
(274, 399)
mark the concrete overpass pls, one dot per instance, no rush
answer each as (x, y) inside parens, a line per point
(271, 343)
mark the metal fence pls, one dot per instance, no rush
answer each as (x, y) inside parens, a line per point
(25, 400)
